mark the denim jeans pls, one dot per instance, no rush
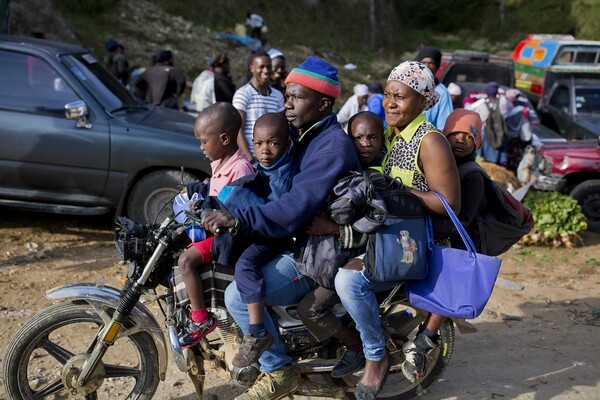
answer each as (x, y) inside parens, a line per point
(284, 286)
(357, 294)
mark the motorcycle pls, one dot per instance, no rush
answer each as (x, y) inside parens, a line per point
(102, 342)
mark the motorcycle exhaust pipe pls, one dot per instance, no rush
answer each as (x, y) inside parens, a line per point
(180, 360)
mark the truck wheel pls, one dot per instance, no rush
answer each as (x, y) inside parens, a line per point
(151, 198)
(587, 195)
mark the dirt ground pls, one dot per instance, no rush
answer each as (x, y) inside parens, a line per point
(541, 342)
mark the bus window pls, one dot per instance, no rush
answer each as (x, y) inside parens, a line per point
(566, 57)
(586, 57)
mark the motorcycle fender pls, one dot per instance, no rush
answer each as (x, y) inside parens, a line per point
(103, 298)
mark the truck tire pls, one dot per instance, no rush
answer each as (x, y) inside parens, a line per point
(151, 198)
(587, 195)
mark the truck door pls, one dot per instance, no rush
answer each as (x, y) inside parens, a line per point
(559, 108)
(43, 156)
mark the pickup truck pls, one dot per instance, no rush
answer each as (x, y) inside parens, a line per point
(572, 168)
(475, 67)
(570, 103)
(74, 140)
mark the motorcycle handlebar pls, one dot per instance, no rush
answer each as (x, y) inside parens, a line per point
(198, 219)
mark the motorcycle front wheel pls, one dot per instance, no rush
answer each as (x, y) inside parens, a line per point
(43, 359)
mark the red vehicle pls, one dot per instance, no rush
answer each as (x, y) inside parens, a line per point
(573, 168)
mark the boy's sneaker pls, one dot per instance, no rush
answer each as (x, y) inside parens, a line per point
(272, 385)
(194, 332)
(417, 357)
(251, 349)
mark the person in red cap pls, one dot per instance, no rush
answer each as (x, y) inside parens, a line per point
(463, 130)
(323, 154)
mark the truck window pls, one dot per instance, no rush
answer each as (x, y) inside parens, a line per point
(587, 100)
(560, 97)
(566, 57)
(586, 57)
(30, 84)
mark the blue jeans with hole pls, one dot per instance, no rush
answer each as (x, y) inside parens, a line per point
(284, 286)
(357, 294)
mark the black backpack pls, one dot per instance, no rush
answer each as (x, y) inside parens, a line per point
(504, 221)
(495, 128)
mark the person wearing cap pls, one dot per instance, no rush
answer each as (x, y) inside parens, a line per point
(421, 157)
(256, 23)
(110, 46)
(323, 154)
(278, 70)
(455, 91)
(516, 114)
(116, 61)
(464, 133)
(432, 59)
(163, 82)
(256, 98)
(489, 108)
(355, 104)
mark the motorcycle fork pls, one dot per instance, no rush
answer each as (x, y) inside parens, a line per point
(110, 332)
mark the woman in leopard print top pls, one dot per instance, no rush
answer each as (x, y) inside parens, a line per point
(421, 156)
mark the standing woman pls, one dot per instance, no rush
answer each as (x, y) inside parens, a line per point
(421, 157)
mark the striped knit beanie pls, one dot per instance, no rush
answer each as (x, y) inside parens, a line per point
(318, 75)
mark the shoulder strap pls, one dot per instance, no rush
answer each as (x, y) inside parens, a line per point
(463, 170)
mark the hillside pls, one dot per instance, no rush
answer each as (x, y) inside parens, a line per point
(375, 35)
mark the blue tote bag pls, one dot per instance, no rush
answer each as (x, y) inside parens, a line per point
(459, 282)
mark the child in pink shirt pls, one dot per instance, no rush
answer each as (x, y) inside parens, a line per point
(216, 128)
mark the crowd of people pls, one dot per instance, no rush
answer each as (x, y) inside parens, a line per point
(262, 87)
(302, 157)
(280, 128)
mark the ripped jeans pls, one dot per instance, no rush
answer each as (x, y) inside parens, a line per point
(357, 294)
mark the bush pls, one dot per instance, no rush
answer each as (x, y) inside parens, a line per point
(558, 220)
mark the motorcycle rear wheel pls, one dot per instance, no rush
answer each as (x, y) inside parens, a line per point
(397, 387)
(37, 358)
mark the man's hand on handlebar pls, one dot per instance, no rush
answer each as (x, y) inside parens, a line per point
(218, 221)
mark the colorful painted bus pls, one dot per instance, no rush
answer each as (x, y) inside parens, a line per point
(537, 54)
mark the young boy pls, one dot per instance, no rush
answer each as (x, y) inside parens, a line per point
(367, 133)
(273, 178)
(216, 128)
(271, 145)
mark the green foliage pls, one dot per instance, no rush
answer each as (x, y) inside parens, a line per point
(586, 14)
(591, 261)
(375, 35)
(85, 6)
(558, 219)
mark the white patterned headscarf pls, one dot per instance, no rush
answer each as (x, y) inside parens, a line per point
(419, 78)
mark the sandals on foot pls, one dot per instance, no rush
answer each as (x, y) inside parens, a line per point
(364, 392)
